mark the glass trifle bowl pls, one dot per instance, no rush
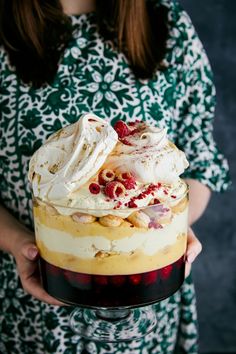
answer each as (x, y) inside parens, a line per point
(111, 216)
(112, 263)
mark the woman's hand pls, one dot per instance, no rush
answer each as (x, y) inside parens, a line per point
(26, 255)
(194, 247)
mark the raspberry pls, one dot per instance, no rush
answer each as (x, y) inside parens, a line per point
(129, 184)
(79, 280)
(165, 272)
(84, 278)
(132, 204)
(128, 180)
(122, 129)
(70, 277)
(118, 280)
(134, 131)
(135, 279)
(150, 277)
(114, 189)
(125, 175)
(126, 142)
(106, 176)
(94, 188)
(101, 279)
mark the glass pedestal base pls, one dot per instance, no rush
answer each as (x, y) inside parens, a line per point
(106, 325)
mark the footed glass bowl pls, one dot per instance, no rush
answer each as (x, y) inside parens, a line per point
(112, 261)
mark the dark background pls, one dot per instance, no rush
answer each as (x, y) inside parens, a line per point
(215, 270)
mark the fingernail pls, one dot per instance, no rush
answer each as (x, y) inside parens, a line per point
(190, 257)
(32, 252)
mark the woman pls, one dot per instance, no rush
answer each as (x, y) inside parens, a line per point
(122, 60)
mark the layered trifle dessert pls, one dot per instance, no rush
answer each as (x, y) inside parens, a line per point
(111, 213)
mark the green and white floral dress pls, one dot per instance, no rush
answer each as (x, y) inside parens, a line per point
(94, 77)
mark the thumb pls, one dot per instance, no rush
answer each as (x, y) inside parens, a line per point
(194, 246)
(30, 251)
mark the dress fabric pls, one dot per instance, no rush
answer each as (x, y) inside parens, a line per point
(92, 76)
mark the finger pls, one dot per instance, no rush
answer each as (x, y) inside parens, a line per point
(30, 251)
(29, 275)
(30, 280)
(188, 267)
(194, 247)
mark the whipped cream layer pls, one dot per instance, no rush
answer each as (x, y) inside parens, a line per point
(149, 156)
(64, 168)
(145, 244)
(99, 205)
(70, 157)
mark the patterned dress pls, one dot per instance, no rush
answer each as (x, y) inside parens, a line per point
(92, 76)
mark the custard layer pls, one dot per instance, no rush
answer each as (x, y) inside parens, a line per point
(113, 264)
(60, 222)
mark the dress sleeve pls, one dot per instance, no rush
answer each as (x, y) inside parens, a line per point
(195, 110)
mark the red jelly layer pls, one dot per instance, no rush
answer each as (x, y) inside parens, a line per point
(112, 290)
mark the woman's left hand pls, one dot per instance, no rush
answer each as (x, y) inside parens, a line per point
(194, 247)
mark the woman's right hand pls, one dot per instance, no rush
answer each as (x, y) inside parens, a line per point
(26, 255)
